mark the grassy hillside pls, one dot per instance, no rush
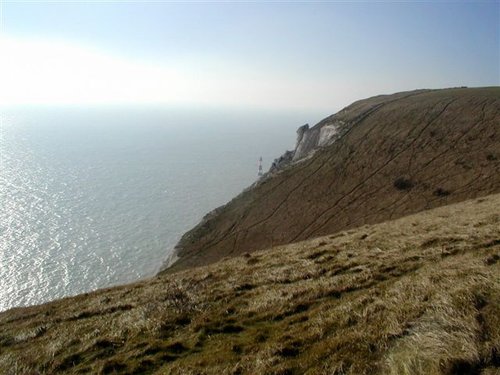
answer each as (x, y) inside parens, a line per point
(401, 154)
(418, 295)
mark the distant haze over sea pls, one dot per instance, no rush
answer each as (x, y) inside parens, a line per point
(97, 197)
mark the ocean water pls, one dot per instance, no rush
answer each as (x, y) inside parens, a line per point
(97, 197)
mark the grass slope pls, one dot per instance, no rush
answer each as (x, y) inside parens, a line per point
(404, 153)
(418, 295)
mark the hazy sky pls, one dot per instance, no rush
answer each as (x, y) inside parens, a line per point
(310, 55)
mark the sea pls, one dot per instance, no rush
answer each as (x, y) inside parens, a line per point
(92, 197)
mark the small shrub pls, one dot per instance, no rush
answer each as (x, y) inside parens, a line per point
(237, 349)
(245, 286)
(145, 366)
(261, 337)
(403, 184)
(430, 243)
(176, 348)
(252, 260)
(316, 254)
(231, 328)
(152, 350)
(301, 307)
(492, 259)
(6, 340)
(492, 243)
(440, 192)
(112, 367)
(69, 362)
(182, 320)
(291, 350)
(335, 293)
(216, 328)
(491, 157)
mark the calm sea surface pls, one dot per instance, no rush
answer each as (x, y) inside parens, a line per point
(97, 197)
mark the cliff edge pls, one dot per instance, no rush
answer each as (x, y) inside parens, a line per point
(378, 159)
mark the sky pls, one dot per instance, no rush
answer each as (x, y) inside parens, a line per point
(270, 55)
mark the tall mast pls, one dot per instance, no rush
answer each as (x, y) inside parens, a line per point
(260, 173)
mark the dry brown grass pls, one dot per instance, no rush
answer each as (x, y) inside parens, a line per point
(420, 295)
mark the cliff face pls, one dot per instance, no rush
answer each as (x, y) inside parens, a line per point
(377, 159)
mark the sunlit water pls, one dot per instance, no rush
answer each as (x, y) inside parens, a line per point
(93, 198)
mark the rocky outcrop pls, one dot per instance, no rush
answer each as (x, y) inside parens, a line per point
(282, 162)
(308, 141)
(375, 160)
(333, 128)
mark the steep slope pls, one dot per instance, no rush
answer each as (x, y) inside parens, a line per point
(378, 159)
(419, 295)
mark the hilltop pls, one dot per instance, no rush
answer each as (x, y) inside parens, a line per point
(418, 295)
(378, 159)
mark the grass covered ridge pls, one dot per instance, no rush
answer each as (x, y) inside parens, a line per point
(419, 295)
(401, 154)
